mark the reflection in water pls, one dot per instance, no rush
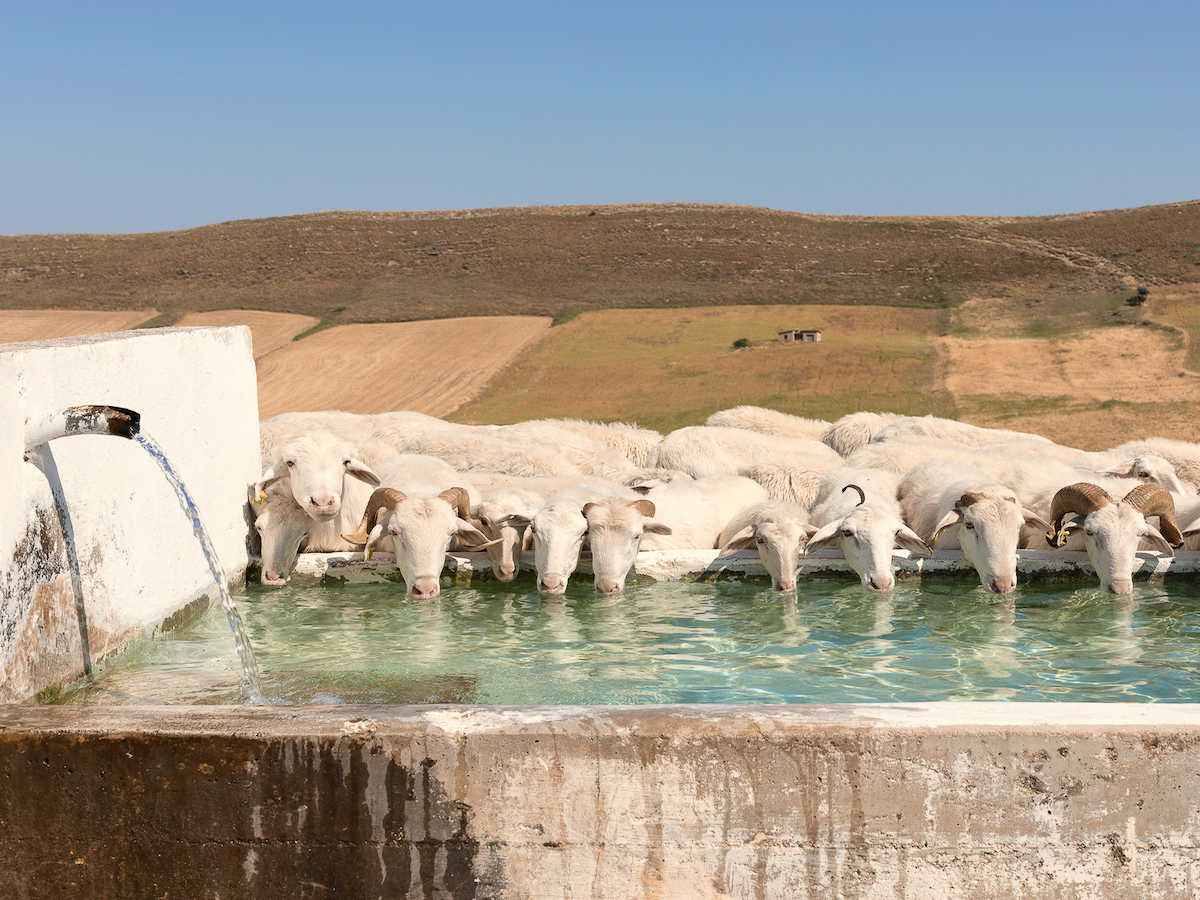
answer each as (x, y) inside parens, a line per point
(831, 641)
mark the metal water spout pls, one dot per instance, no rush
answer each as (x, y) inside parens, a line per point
(94, 419)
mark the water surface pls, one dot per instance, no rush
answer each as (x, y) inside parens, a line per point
(728, 642)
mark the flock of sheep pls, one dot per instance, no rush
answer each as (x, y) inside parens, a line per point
(750, 478)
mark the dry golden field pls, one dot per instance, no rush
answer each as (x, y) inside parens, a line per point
(666, 369)
(1017, 323)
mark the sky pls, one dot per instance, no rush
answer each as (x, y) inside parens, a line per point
(122, 117)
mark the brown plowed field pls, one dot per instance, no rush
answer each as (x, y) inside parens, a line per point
(269, 330)
(45, 324)
(431, 367)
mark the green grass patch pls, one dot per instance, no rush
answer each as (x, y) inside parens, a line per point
(164, 319)
(566, 315)
(333, 318)
(1013, 406)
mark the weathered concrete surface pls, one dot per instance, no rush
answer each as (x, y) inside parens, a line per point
(710, 565)
(932, 801)
(136, 560)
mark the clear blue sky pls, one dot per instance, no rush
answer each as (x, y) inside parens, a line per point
(135, 116)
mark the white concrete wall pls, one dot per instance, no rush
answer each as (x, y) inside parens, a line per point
(139, 560)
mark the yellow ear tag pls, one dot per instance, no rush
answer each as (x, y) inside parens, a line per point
(367, 551)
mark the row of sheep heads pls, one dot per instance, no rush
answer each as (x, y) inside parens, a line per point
(418, 530)
(1085, 517)
(1073, 506)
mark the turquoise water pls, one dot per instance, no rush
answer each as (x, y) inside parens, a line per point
(727, 642)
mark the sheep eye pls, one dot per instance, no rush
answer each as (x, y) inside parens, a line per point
(484, 522)
(760, 541)
(969, 526)
(291, 464)
(846, 532)
(1090, 532)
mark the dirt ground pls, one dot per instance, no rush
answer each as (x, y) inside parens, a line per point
(433, 366)
(1135, 365)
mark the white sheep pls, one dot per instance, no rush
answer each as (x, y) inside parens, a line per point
(420, 529)
(323, 474)
(1151, 469)
(1183, 455)
(520, 498)
(769, 421)
(855, 430)
(704, 450)
(778, 531)
(857, 511)
(559, 529)
(674, 515)
(696, 512)
(1085, 515)
(953, 506)
(628, 439)
(483, 452)
(949, 430)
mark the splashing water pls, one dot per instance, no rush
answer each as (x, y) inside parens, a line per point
(240, 637)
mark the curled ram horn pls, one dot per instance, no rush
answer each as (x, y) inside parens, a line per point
(862, 495)
(382, 499)
(1152, 500)
(458, 498)
(1081, 499)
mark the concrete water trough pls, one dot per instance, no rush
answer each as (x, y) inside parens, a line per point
(929, 800)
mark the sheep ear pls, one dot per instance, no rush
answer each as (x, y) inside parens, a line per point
(516, 520)
(469, 534)
(907, 539)
(1155, 539)
(1121, 470)
(258, 490)
(826, 538)
(372, 539)
(954, 517)
(743, 540)
(1033, 520)
(360, 470)
(652, 526)
(1072, 523)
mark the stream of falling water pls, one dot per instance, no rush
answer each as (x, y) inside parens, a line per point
(241, 639)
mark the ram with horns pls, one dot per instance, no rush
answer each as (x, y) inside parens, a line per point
(1085, 516)
(419, 529)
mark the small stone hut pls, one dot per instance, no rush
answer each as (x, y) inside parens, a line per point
(793, 335)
